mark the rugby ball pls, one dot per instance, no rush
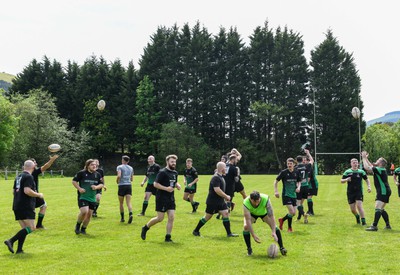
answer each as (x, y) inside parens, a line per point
(272, 251)
(53, 148)
(101, 105)
(355, 112)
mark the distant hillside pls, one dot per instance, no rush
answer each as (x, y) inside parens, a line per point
(5, 80)
(389, 117)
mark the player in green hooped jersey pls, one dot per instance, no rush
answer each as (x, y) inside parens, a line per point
(353, 177)
(259, 206)
(396, 178)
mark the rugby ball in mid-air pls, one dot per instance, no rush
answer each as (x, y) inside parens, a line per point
(53, 148)
(101, 105)
(355, 112)
(272, 251)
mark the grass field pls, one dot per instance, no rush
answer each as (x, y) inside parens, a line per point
(330, 243)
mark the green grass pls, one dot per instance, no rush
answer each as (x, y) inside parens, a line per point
(330, 243)
(6, 77)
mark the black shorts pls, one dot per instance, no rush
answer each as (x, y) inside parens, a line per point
(83, 203)
(289, 201)
(398, 190)
(353, 197)
(303, 194)
(190, 191)
(24, 214)
(383, 198)
(151, 189)
(215, 208)
(124, 190)
(39, 202)
(313, 192)
(164, 206)
(239, 187)
(256, 217)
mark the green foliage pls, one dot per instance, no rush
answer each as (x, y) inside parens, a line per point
(179, 139)
(8, 127)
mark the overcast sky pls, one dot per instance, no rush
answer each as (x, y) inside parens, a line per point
(75, 29)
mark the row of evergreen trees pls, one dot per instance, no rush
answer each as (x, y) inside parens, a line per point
(257, 97)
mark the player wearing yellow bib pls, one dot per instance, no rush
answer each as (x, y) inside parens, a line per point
(259, 206)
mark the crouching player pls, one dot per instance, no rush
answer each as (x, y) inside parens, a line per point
(259, 206)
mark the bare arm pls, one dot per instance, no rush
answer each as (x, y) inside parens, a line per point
(118, 176)
(162, 187)
(237, 153)
(367, 164)
(221, 193)
(309, 156)
(271, 220)
(395, 179)
(49, 163)
(144, 181)
(28, 191)
(248, 223)
(368, 185)
(276, 188)
(76, 185)
(348, 179)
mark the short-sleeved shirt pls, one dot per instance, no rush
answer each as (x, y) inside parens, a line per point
(230, 175)
(86, 180)
(305, 172)
(152, 172)
(166, 178)
(397, 173)
(21, 200)
(216, 181)
(126, 174)
(35, 175)
(289, 180)
(190, 176)
(355, 185)
(261, 210)
(381, 181)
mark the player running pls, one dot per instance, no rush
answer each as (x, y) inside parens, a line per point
(151, 174)
(304, 170)
(190, 181)
(99, 192)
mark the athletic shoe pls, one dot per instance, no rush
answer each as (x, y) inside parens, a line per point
(20, 252)
(196, 233)
(143, 234)
(371, 228)
(249, 251)
(232, 235)
(169, 240)
(77, 230)
(122, 220)
(40, 227)
(140, 214)
(388, 227)
(364, 223)
(94, 214)
(306, 218)
(196, 205)
(283, 251)
(9, 245)
(358, 220)
(280, 223)
(83, 231)
(290, 230)
(130, 219)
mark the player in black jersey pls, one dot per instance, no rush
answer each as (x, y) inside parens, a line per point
(40, 203)
(382, 187)
(166, 181)
(24, 206)
(190, 181)
(304, 170)
(99, 192)
(151, 174)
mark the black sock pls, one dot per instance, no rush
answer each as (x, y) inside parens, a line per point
(144, 206)
(301, 211)
(385, 217)
(247, 239)
(309, 204)
(290, 221)
(200, 224)
(40, 220)
(378, 214)
(227, 225)
(21, 234)
(130, 213)
(122, 215)
(22, 238)
(286, 217)
(83, 228)
(279, 235)
(168, 237)
(96, 207)
(78, 225)
(146, 227)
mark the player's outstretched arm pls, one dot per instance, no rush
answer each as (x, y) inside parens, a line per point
(49, 163)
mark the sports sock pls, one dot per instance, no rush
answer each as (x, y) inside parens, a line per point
(78, 226)
(40, 220)
(310, 205)
(289, 220)
(385, 217)
(22, 233)
(168, 237)
(357, 218)
(363, 220)
(279, 235)
(122, 215)
(378, 214)
(286, 217)
(301, 211)
(247, 239)
(130, 213)
(227, 225)
(22, 238)
(200, 224)
(144, 206)
(96, 207)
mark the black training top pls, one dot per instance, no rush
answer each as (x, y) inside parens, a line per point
(166, 178)
(213, 197)
(21, 200)
(35, 175)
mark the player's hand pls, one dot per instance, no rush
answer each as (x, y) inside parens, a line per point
(141, 185)
(349, 179)
(178, 186)
(94, 187)
(81, 190)
(170, 189)
(277, 195)
(256, 238)
(40, 195)
(190, 185)
(54, 157)
(369, 190)
(105, 188)
(274, 236)
(228, 198)
(307, 151)
(298, 190)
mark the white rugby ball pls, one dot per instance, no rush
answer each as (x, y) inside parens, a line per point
(355, 112)
(272, 251)
(101, 105)
(54, 148)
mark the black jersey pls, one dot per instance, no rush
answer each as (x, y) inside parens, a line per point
(101, 172)
(290, 180)
(35, 175)
(355, 185)
(381, 181)
(190, 176)
(216, 181)
(305, 171)
(152, 172)
(166, 178)
(21, 200)
(230, 177)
